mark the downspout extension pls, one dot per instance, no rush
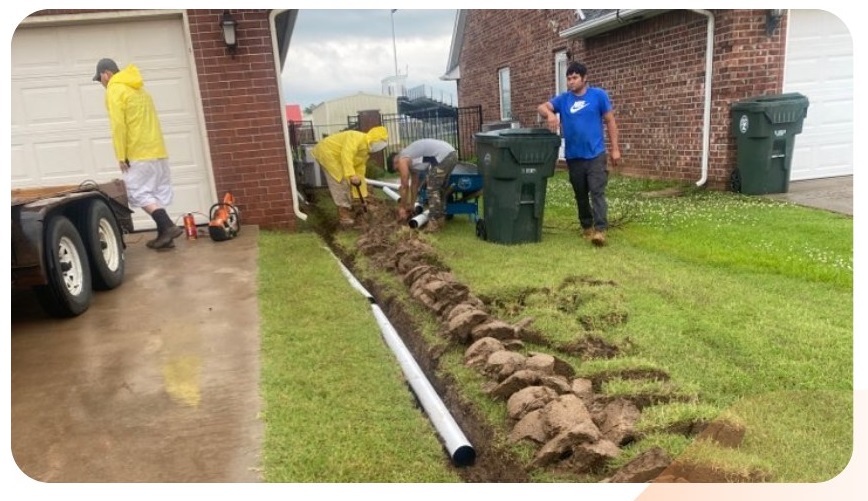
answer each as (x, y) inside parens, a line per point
(460, 450)
(706, 114)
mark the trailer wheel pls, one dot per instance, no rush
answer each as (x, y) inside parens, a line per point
(68, 292)
(105, 246)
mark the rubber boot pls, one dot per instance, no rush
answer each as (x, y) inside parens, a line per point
(166, 231)
(345, 216)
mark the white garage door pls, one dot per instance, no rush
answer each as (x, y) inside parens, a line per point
(60, 130)
(819, 64)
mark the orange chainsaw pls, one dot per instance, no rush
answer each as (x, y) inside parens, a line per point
(224, 221)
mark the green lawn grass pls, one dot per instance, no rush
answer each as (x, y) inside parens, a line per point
(337, 408)
(746, 303)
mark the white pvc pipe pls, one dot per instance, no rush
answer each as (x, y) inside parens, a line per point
(459, 448)
(382, 184)
(391, 193)
(419, 221)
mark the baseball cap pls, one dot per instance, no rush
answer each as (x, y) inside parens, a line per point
(105, 64)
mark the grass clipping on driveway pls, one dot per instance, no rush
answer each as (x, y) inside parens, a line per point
(337, 408)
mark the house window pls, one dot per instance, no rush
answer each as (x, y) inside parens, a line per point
(505, 98)
(560, 72)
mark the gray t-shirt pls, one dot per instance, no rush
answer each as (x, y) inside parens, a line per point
(418, 150)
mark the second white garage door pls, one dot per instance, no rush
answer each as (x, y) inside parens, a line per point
(819, 64)
(60, 131)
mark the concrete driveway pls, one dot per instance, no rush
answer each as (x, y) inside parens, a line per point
(156, 382)
(834, 194)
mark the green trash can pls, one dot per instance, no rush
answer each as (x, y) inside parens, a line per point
(765, 128)
(515, 165)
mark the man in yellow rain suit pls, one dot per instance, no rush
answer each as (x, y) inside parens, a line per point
(344, 156)
(139, 147)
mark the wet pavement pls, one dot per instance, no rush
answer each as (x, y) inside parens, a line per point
(833, 194)
(156, 382)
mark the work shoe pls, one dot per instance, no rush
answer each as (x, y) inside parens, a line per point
(150, 244)
(163, 240)
(599, 238)
(587, 233)
(345, 217)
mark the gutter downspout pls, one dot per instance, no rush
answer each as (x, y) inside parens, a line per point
(460, 450)
(706, 115)
(296, 195)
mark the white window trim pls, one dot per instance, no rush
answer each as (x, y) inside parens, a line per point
(505, 114)
(560, 73)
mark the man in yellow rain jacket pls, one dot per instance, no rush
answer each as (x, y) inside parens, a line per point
(139, 147)
(344, 156)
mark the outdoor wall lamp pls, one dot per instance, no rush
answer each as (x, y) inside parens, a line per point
(773, 20)
(229, 24)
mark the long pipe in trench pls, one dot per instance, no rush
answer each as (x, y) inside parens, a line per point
(460, 450)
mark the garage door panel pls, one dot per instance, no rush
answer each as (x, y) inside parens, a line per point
(162, 41)
(837, 112)
(102, 150)
(815, 163)
(60, 162)
(21, 176)
(50, 106)
(829, 155)
(819, 64)
(179, 143)
(153, 42)
(44, 52)
(85, 45)
(174, 98)
(196, 198)
(93, 110)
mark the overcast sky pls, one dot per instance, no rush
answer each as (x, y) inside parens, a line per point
(334, 53)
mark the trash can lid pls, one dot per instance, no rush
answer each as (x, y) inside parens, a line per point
(526, 132)
(771, 102)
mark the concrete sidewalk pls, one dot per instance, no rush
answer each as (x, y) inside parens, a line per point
(833, 194)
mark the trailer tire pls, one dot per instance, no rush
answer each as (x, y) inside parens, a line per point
(105, 246)
(68, 292)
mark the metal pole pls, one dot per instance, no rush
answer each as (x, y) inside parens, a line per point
(395, 50)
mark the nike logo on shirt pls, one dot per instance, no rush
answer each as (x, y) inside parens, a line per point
(577, 106)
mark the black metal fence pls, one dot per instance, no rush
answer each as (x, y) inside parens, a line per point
(456, 126)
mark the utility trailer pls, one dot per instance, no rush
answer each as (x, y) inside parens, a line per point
(68, 241)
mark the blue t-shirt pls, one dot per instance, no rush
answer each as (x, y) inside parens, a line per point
(582, 122)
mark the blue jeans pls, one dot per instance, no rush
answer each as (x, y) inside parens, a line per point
(589, 179)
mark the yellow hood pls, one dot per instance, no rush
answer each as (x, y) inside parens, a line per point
(378, 133)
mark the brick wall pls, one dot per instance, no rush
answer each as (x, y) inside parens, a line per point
(654, 72)
(243, 114)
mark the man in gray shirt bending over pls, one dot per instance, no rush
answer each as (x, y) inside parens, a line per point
(438, 159)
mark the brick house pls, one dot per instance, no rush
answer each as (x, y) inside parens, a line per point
(221, 108)
(653, 64)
